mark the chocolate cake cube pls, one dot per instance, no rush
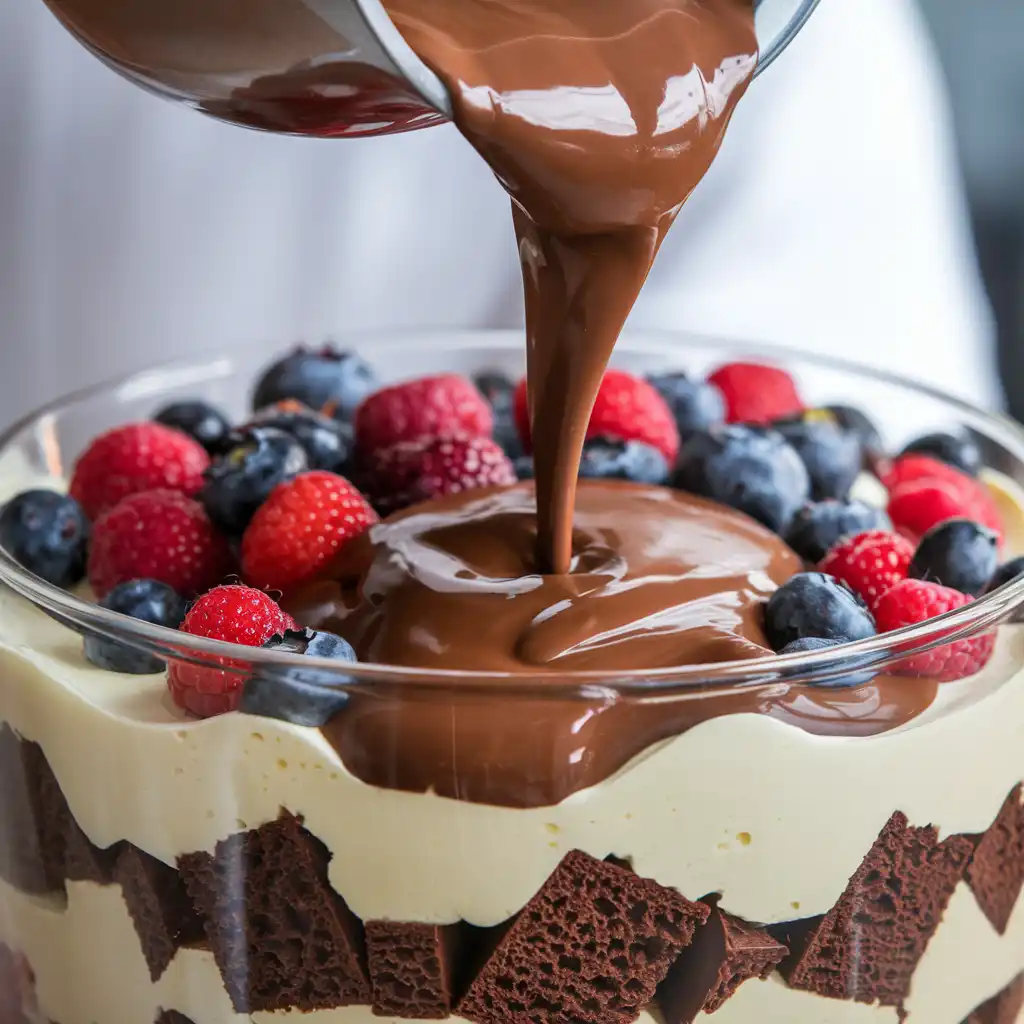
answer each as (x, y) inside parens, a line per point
(33, 817)
(281, 936)
(867, 946)
(159, 905)
(1003, 1008)
(86, 862)
(412, 969)
(592, 945)
(996, 872)
(724, 954)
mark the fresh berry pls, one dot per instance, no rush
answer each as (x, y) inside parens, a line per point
(159, 535)
(812, 644)
(627, 407)
(302, 696)
(407, 474)
(696, 405)
(499, 391)
(911, 468)
(832, 456)
(958, 554)
(237, 484)
(821, 525)
(870, 563)
(914, 601)
(755, 471)
(856, 422)
(524, 467)
(958, 450)
(813, 604)
(134, 458)
(429, 407)
(301, 528)
(1006, 573)
(496, 388)
(48, 534)
(326, 442)
(200, 420)
(756, 393)
(238, 615)
(608, 458)
(320, 379)
(918, 505)
(147, 600)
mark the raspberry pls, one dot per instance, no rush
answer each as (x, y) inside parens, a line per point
(428, 407)
(870, 563)
(627, 408)
(159, 535)
(133, 458)
(913, 601)
(298, 531)
(409, 473)
(908, 468)
(919, 504)
(239, 615)
(755, 393)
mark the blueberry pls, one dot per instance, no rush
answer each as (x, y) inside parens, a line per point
(309, 697)
(326, 377)
(1006, 573)
(496, 388)
(608, 458)
(855, 421)
(695, 404)
(957, 450)
(810, 644)
(200, 420)
(957, 553)
(48, 534)
(812, 604)
(753, 470)
(818, 526)
(524, 467)
(506, 433)
(147, 600)
(833, 456)
(499, 392)
(238, 483)
(326, 442)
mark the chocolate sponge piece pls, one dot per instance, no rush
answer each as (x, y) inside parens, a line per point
(160, 908)
(86, 862)
(867, 946)
(592, 945)
(281, 936)
(996, 872)
(1003, 1008)
(724, 954)
(412, 968)
(33, 817)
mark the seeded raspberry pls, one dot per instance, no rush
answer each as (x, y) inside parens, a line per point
(159, 535)
(429, 407)
(301, 528)
(870, 563)
(134, 458)
(238, 615)
(756, 393)
(912, 601)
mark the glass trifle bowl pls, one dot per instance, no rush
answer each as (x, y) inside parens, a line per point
(819, 837)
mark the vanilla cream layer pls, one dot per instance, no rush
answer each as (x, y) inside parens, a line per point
(89, 968)
(773, 818)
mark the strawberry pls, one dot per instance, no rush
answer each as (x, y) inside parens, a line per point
(428, 407)
(160, 535)
(133, 458)
(870, 563)
(913, 601)
(409, 473)
(627, 408)
(297, 532)
(238, 615)
(909, 468)
(756, 393)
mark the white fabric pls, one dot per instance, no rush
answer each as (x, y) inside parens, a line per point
(132, 231)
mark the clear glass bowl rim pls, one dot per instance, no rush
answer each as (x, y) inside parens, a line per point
(876, 652)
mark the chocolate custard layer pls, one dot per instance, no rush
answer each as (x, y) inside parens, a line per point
(657, 578)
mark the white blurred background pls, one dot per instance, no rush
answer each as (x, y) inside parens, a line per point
(838, 218)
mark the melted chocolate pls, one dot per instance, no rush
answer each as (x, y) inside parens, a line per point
(599, 118)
